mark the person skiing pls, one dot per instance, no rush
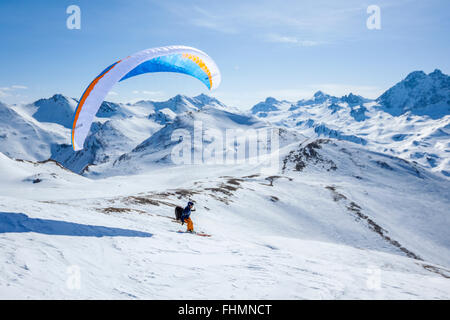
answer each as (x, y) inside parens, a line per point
(185, 216)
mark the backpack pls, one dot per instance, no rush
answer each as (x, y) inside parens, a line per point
(178, 212)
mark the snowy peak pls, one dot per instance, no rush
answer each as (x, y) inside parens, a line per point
(181, 103)
(270, 105)
(126, 127)
(353, 100)
(163, 116)
(319, 95)
(419, 94)
(57, 109)
(203, 100)
(56, 99)
(270, 100)
(437, 74)
(22, 137)
(318, 98)
(110, 109)
(177, 104)
(60, 109)
(415, 76)
(212, 123)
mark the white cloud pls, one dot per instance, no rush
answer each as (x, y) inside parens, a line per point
(152, 93)
(213, 25)
(148, 93)
(208, 20)
(322, 18)
(135, 96)
(8, 91)
(272, 37)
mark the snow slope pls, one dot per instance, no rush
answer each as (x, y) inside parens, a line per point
(23, 137)
(337, 222)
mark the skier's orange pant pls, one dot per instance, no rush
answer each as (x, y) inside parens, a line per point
(190, 224)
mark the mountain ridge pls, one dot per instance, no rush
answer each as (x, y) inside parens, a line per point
(119, 128)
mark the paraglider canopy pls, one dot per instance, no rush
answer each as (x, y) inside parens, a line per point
(179, 59)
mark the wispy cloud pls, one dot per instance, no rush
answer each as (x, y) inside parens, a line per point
(9, 91)
(290, 23)
(153, 93)
(16, 86)
(133, 96)
(208, 20)
(321, 19)
(277, 38)
(148, 93)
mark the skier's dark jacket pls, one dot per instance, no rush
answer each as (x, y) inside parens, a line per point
(186, 213)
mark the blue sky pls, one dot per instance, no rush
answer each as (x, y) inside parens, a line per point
(286, 49)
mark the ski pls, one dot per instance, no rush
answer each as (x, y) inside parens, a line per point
(201, 234)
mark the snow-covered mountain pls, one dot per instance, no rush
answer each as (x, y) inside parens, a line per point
(270, 105)
(163, 116)
(23, 137)
(180, 103)
(117, 129)
(419, 94)
(355, 204)
(410, 120)
(57, 109)
(209, 126)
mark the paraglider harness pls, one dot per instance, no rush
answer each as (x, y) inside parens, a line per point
(178, 213)
(181, 214)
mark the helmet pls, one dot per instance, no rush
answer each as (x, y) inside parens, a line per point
(190, 203)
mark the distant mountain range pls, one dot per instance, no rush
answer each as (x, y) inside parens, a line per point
(411, 120)
(417, 94)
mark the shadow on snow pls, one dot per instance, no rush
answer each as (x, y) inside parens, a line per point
(19, 222)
